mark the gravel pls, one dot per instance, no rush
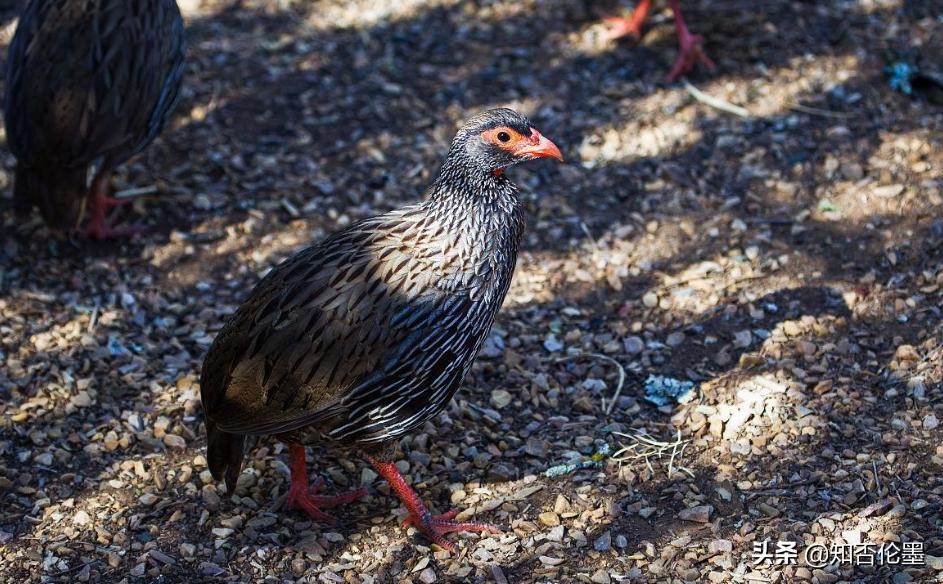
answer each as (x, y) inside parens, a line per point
(788, 264)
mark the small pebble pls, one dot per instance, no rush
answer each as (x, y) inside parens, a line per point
(633, 345)
(930, 422)
(699, 514)
(604, 542)
(549, 519)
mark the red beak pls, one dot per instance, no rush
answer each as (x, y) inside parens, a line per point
(539, 147)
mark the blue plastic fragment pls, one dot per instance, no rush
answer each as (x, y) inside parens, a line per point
(901, 74)
(115, 348)
(661, 390)
(593, 462)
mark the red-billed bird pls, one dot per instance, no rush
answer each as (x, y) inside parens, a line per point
(362, 338)
(689, 45)
(89, 82)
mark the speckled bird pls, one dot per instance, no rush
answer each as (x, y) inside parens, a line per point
(90, 83)
(360, 339)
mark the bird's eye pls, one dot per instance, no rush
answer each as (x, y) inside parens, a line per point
(504, 136)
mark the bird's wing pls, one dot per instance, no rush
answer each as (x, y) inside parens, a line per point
(339, 329)
(167, 58)
(91, 79)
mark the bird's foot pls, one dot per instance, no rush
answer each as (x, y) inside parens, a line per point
(109, 202)
(308, 500)
(619, 26)
(100, 225)
(433, 526)
(690, 53)
(101, 229)
(436, 526)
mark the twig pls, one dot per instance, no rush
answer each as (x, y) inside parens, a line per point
(136, 192)
(589, 234)
(674, 452)
(93, 320)
(715, 102)
(771, 221)
(745, 279)
(75, 568)
(615, 396)
(815, 111)
(783, 491)
(877, 479)
(646, 447)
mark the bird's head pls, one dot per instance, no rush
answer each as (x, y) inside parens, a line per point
(498, 138)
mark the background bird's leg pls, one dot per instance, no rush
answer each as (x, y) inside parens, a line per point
(301, 497)
(433, 526)
(621, 26)
(100, 201)
(690, 51)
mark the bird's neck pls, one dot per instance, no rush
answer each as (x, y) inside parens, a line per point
(480, 211)
(469, 188)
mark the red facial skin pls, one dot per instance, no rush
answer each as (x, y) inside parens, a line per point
(525, 147)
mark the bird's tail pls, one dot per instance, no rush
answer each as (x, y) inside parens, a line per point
(57, 192)
(224, 454)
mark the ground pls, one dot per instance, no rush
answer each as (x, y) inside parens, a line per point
(788, 261)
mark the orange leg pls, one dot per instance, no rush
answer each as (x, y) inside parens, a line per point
(631, 26)
(690, 51)
(307, 499)
(433, 526)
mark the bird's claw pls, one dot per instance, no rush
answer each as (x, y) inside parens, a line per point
(311, 503)
(102, 230)
(690, 53)
(101, 227)
(618, 27)
(436, 526)
(108, 201)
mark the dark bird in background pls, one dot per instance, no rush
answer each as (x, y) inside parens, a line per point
(690, 51)
(362, 338)
(89, 83)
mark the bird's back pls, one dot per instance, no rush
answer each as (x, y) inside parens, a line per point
(90, 80)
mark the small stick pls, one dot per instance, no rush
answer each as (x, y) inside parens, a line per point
(680, 454)
(93, 320)
(615, 396)
(715, 102)
(674, 452)
(74, 568)
(136, 192)
(646, 447)
(589, 234)
(815, 111)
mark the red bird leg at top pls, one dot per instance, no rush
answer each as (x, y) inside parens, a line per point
(433, 526)
(690, 51)
(99, 226)
(307, 499)
(689, 45)
(620, 27)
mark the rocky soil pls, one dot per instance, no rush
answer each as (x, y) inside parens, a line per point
(785, 258)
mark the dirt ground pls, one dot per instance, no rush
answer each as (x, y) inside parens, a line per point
(787, 261)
